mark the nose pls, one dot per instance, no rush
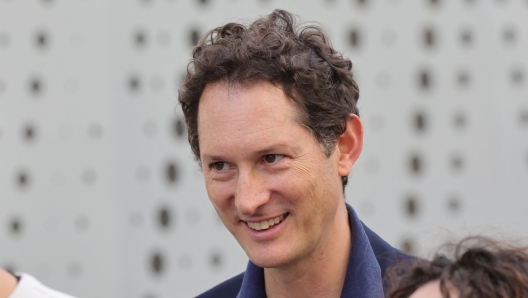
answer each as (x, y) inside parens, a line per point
(251, 193)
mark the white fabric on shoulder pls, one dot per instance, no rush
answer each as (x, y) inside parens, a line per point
(29, 287)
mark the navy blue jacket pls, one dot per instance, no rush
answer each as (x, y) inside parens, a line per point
(370, 257)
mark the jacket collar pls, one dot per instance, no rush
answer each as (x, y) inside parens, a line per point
(363, 276)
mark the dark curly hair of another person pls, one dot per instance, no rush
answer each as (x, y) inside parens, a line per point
(481, 268)
(298, 59)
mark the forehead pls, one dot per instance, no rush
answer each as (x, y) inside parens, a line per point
(259, 95)
(432, 290)
(229, 101)
(428, 290)
(253, 115)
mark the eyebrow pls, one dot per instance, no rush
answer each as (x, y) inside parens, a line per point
(213, 158)
(266, 150)
(274, 148)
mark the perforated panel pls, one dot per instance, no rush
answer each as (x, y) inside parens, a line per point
(100, 196)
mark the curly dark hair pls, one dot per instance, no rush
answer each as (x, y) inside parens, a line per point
(480, 268)
(298, 59)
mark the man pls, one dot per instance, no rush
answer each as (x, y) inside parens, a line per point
(272, 119)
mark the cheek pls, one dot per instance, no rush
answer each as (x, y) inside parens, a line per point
(293, 180)
(219, 195)
(219, 192)
(319, 193)
(315, 179)
(299, 188)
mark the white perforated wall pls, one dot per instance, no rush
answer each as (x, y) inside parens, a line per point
(100, 197)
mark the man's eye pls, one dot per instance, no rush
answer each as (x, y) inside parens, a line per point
(220, 166)
(271, 158)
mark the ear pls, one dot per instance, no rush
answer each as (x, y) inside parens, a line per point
(349, 145)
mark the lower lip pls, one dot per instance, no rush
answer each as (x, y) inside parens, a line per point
(268, 234)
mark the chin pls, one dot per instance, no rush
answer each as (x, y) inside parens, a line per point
(267, 263)
(266, 259)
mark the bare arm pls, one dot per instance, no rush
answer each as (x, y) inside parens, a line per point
(8, 283)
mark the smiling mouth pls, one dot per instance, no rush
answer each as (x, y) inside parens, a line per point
(266, 224)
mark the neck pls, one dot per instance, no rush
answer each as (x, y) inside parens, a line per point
(322, 273)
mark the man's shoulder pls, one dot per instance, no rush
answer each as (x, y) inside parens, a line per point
(386, 255)
(226, 289)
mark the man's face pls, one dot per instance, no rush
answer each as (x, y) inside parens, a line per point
(266, 175)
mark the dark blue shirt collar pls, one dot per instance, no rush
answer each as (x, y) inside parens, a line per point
(363, 276)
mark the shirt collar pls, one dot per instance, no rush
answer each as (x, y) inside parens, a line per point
(362, 279)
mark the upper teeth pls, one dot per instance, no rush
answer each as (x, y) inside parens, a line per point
(266, 224)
